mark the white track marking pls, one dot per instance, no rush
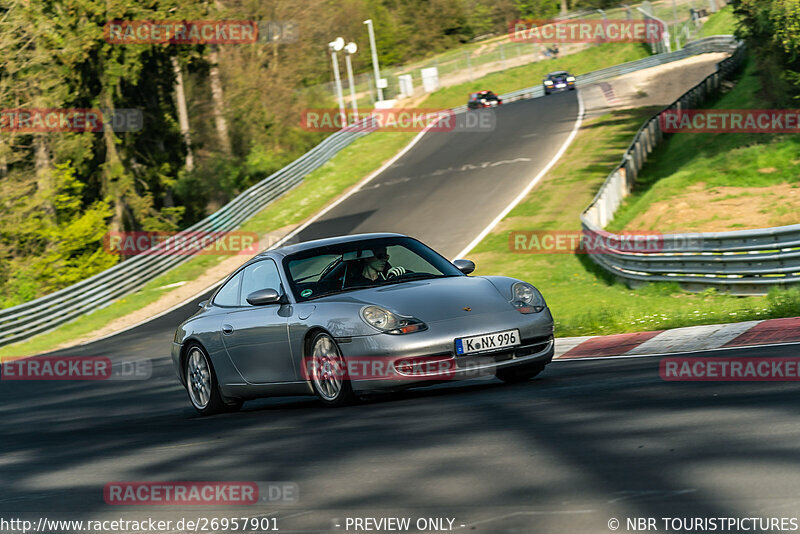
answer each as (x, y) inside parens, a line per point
(703, 337)
(532, 184)
(634, 356)
(566, 344)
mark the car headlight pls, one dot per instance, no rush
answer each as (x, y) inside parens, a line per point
(548, 82)
(390, 323)
(571, 78)
(526, 298)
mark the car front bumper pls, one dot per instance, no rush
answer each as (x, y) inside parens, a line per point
(429, 356)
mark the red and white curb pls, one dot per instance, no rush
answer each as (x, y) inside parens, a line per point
(676, 340)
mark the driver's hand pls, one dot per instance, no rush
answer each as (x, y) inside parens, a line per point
(396, 271)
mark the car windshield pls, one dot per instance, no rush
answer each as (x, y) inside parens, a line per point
(360, 264)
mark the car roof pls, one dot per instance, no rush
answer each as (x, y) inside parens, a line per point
(306, 245)
(558, 73)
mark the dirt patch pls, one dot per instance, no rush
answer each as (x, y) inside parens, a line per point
(656, 86)
(721, 209)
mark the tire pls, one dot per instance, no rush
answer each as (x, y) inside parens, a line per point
(329, 372)
(516, 375)
(201, 383)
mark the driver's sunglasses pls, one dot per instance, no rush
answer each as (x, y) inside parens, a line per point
(382, 255)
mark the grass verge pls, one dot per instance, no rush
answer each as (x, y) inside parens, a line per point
(583, 299)
(707, 161)
(723, 22)
(594, 58)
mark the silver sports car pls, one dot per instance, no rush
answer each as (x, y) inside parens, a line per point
(349, 315)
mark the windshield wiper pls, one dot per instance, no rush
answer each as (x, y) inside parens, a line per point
(412, 276)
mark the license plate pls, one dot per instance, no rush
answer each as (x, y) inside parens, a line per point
(561, 85)
(484, 342)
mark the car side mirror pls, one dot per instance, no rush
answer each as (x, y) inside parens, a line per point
(264, 296)
(202, 304)
(465, 266)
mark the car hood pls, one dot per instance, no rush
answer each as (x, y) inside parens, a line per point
(433, 300)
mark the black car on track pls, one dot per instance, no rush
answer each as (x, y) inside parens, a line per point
(560, 80)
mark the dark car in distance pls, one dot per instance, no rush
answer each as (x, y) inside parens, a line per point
(483, 99)
(557, 81)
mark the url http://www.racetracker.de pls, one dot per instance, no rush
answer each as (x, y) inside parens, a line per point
(197, 524)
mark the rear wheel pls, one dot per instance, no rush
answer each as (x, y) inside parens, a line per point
(519, 374)
(329, 372)
(201, 383)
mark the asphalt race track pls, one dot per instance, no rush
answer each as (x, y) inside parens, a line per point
(585, 442)
(450, 185)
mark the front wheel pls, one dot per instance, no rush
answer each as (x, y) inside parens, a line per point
(523, 374)
(329, 372)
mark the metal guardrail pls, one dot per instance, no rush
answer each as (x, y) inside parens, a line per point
(48, 312)
(741, 262)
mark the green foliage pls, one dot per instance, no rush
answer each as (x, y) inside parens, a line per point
(45, 249)
(772, 31)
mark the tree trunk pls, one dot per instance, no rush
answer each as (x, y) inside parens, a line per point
(218, 101)
(183, 115)
(113, 173)
(44, 172)
(564, 7)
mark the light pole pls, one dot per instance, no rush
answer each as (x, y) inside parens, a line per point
(336, 46)
(375, 66)
(350, 49)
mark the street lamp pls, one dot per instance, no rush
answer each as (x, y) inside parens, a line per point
(375, 67)
(336, 46)
(351, 49)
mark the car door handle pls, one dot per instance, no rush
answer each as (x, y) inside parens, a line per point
(227, 329)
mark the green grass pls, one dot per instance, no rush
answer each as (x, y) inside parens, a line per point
(583, 299)
(319, 188)
(715, 159)
(722, 22)
(594, 58)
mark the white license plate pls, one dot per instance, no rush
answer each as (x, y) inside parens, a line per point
(498, 340)
(559, 85)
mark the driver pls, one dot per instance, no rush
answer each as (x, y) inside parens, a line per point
(377, 267)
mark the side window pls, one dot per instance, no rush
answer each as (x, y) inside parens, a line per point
(229, 294)
(260, 275)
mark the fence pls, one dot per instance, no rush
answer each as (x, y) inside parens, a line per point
(499, 53)
(48, 312)
(741, 262)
